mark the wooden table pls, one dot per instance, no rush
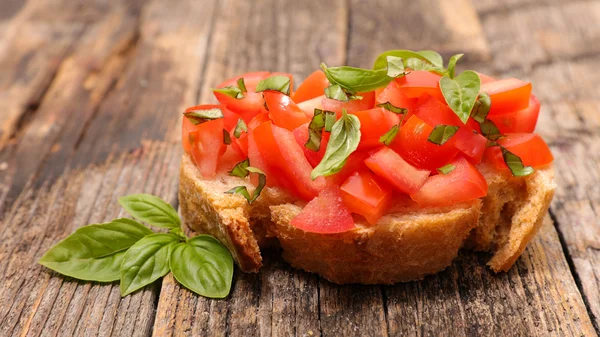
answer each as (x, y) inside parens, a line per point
(90, 101)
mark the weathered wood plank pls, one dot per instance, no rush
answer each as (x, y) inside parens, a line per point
(448, 26)
(268, 35)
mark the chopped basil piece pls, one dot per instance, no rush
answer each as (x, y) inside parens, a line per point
(241, 84)
(461, 92)
(452, 64)
(262, 181)
(336, 92)
(226, 137)
(515, 164)
(345, 136)
(203, 115)
(442, 133)
(239, 128)
(446, 169)
(240, 169)
(395, 66)
(389, 136)
(320, 120)
(276, 83)
(481, 108)
(390, 107)
(230, 91)
(489, 130)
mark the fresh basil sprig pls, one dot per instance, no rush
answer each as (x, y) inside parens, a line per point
(442, 133)
(452, 64)
(461, 92)
(276, 83)
(203, 115)
(345, 136)
(242, 170)
(126, 250)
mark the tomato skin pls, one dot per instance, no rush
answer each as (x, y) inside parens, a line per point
(247, 107)
(521, 121)
(229, 159)
(374, 123)
(313, 157)
(355, 162)
(530, 147)
(186, 129)
(363, 193)
(313, 86)
(310, 105)
(464, 183)
(250, 80)
(419, 82)
(283, 111)
(391, 167)
(207, 146)
(507, 95)
(412, 144)
(367, 102)
(284, 159)
(325, 214)
(471, 144)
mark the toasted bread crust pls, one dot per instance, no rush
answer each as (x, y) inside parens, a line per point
(407, 244)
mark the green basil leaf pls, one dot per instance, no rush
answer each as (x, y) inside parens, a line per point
(461, 92)
(239, 128)
(355, 80)
(336, 92)
(241, 84)
(226, 137)
(345, 136)
(151, 209)
(418, 64)
(395, 66)
(205, 115)
(515, 164)
(489, 130)
(230, 91)
(390, 107)
(315, 131)
(452, 64)
(446, 169)
(203, 265)
(428, 56)
(95, 252)
(276, 83)
(481, 108)
(442, 133)
(240, 169)
(146, 261)
(262, 181)
(389, 136)
(330, 118)
(178, 232)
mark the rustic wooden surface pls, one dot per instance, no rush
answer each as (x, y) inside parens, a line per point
(90, 95)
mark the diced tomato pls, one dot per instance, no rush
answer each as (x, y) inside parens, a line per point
(530, 147)
(363, 193)
(507, 95)
(367, 102)
(207, 146)
(390, 166)
(419, 82)
(374, 123)
(325, 214)
(284, 158)
(464, 183)
(187, 140)
(412, 144)
(355, 162)
(310, 105)
(313, 86)
(283, 111)
(250, 80)
(188, 127)
(471, 144)
(434, 112)
(231, 118)
(485, 78)
(262, 117)
(523, 120)
(241, 144)
(229, 159)
(314, 157)
(257, 161)
(246, 107)
(393, 94)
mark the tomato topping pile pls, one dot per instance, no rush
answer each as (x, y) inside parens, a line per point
(349, 147)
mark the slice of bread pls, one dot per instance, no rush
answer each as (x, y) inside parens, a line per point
(407, 244)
